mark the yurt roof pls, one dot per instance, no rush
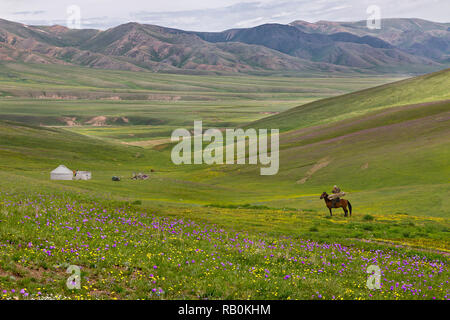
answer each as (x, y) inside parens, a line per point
(62, 169)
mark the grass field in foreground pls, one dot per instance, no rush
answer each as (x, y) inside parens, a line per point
(127, 253)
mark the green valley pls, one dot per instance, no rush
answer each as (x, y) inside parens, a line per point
(385, 141)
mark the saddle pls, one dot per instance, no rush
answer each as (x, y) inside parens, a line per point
(335, 201)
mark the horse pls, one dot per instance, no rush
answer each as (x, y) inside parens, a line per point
(342, 203)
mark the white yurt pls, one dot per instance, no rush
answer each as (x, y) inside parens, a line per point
(61, 173)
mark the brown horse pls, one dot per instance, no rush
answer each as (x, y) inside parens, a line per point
(340, 204)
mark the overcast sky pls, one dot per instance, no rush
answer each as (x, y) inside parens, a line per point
(215, 15)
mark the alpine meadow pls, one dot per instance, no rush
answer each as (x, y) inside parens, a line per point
(94, 206)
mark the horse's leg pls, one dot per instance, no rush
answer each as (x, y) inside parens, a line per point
(331, 214)
(344, 207)
(349, 207)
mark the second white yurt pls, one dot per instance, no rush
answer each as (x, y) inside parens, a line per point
(83, 175)
(61, 173)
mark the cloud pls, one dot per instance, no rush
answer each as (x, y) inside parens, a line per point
(245, 14)
(216, 15)
(249, 23)
(29, 12)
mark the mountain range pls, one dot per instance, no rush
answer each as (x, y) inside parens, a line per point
(400, 46)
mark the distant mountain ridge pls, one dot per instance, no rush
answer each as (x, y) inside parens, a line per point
(416, 36)
(297, 47)
(340, 48)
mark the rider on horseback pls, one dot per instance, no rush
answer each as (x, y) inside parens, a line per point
(335, 195)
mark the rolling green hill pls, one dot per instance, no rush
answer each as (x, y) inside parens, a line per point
(30, 148)
(426, 88)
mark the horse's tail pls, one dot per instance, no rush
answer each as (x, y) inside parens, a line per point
(349, 207)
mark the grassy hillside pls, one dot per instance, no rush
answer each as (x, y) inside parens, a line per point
(28, 147)
(426, 88)
(392, 160)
